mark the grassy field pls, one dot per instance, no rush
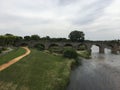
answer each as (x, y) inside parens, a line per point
(11, 55)
(38, 71)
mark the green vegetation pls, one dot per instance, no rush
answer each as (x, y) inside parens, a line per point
(84, 54)
(77, 36)
(40, 47)
(9, 39)
(82, 47)
(70, 53)
(56, 49)
(4, 49)
(35, 37)
(11, 55)
(37, 71)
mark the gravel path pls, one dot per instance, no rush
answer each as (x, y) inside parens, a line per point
(6, 65)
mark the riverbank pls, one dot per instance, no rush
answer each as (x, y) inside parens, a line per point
(37, 71)
(84, 54)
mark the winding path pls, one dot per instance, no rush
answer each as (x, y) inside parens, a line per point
(8, 64)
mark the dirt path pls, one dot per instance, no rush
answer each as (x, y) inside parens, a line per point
(6, 65)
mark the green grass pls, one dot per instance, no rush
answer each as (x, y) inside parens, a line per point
(38, 71)
(11, 55)
(84, 54)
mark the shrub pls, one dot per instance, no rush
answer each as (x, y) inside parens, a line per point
(82, 47)
(4, 48)
(0, 51)
(70, 53)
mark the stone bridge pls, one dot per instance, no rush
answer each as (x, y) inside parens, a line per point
(115, 47)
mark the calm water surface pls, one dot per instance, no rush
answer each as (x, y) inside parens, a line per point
(102, 72)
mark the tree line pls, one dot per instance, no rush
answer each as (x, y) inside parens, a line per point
(10, 39)
(74, 36)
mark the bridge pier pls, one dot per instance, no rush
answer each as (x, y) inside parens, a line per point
(101, 50)
(46, 46)
(114, 51)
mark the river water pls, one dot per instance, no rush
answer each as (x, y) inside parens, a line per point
(101, 72)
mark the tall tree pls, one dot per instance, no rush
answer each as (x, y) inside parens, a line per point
(77, 36)
(35, 37)
(27, 38)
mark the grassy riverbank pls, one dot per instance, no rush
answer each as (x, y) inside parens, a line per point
(11, 55)
(38, 71)
(84, 54)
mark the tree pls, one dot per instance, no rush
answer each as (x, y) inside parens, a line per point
(48, 37)
(18, 39)
(8, 34)
(2, 40)
(27, 38)
(76, 36)
(35, 37)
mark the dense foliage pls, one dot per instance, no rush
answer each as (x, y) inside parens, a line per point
(76, 36)
(70, 53)
(35, 37)
(9, 39)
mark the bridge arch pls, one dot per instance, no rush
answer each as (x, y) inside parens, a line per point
(68, 45)
(108, 48)
(55, 48)
(99, 48)
(39, 46)
(82, 47)
(95, 48)
(24, 44)
(53, 45)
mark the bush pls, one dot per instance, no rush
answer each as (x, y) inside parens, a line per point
(82, 47)
(70, 53)
(0, 51)
(4, 48)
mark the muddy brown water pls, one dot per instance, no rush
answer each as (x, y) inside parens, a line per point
(102, 72)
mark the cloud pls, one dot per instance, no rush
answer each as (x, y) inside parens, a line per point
(91, 12)
(99, 19)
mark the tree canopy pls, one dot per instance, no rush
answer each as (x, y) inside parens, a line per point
(9, 39)
(35, 37)
(77, 36)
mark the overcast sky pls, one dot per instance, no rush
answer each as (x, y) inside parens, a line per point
(98, 19)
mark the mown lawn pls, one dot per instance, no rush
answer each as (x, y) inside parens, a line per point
(11, 55)
(38, 71)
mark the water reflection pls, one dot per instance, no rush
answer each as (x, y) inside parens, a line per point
(102, 72)
(107, 51)
(95, 49)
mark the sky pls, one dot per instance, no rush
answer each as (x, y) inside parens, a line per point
(98, 19)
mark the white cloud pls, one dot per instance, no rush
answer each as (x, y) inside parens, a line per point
(99, 19)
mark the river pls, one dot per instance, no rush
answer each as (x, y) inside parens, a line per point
(101, 72)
